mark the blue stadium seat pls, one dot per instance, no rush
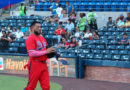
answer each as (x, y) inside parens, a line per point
(116, 57)
(96, 51)
(14, 44)
(91, 46)
(111, 47)
(125, 57)
(114, 52)
(20, 40)
(86, 41)
(89, 56)
(103, 42)
(22, 48)
(100, 47)
(50, 32)
(119, 47)
(127, 29)
(95, 41)
(105, 51)
(82, 55)
(107, 57)
(98, 56)
(127, 47)
(111, 29)
(123, 52)
(100, 33)
(13, 49)
(107, 33)
(64, 54)
(86, 51)
(78, 50)
(119, 29)
(115, 33)
(71, 55)
(112, 42)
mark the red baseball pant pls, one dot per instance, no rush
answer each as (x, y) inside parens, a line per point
(38, 71)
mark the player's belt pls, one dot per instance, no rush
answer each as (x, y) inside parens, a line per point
(40, 61)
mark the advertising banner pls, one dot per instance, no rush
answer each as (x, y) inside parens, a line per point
(64, 67)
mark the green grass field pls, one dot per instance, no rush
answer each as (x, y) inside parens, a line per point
(19, 83)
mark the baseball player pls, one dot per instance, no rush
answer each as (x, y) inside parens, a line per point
(37, 51)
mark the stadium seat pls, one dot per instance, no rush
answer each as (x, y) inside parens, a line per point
(86, 51)
(115, 33)
(111, 47)
(71, 55)
(13, 49)
(123, 52)
(127, 47)
(89, 56)
(91, 46)
(116, 57)
(119, 47)
(105, 51)
(22, 48)
(82, 55)
(107, 57)
(125, 57)
(96, 51)
(98, 56)
(14, 44)
(20, 40)
(113, 51)
(100, 47)
(119, 29)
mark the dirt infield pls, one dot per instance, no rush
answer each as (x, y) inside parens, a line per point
(84, 84)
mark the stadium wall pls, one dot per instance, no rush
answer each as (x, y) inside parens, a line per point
(113, 74)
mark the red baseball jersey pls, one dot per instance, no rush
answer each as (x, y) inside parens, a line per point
(37, 43)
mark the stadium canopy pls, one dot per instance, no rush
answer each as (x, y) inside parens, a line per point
(4, 3)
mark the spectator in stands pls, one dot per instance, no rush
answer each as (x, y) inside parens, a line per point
(10, 37)
(69, 8)
(128, 17)
(4, 41)
(19, 34)
(54, 19)
(14, 31)
(64, 43)
(53, 9)
(59, 10)
(21, 10)
(24, 29)
(69, 28)
(1, 34)
(25, 11)
(60, 32)
(92, 20)
(120, 22)
(73, 42)
(25, 36)
(95, 35)
(64, 19)
(127, 24)
(73, 17)
(9, 28)
(77, 33)
(82, 22)
(3, 28)
(110, 22)
(124, 39)
(88, 34)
